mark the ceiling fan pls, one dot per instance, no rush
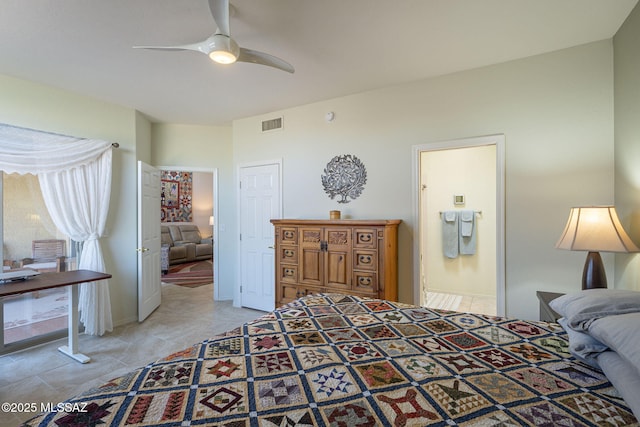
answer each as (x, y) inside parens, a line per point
(221, 48)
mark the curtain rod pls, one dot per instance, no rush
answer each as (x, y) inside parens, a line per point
(115, 145)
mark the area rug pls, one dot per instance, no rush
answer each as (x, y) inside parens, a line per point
(192, 274)
(28, 309)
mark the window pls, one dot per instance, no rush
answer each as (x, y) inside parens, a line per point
(28, 228)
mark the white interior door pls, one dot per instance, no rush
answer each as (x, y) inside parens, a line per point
(149, 290)
(259, 202)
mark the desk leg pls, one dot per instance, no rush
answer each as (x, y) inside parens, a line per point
(71, 350)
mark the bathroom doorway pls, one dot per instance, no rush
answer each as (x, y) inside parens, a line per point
(461, 178)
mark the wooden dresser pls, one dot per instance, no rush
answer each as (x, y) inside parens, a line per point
(357, 257)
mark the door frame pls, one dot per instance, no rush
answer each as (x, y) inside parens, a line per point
(237, 296)
(499, 141)
(216, 210)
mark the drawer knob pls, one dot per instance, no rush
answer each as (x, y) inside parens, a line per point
(288, 253)
(365, 259)
(288, 234)
(364, 281)
(365, 238)
(288, 272)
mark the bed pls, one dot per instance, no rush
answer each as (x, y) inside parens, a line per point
(341, 360)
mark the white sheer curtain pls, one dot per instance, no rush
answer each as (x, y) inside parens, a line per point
(75, 177)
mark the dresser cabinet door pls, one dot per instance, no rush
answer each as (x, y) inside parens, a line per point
(311, 256)
(338, 258)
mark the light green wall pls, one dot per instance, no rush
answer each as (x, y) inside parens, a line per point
(46, 108)
(556, 111)
(627, 144)
(206, 147)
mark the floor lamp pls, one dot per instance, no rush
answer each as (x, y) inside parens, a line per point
(595, 229)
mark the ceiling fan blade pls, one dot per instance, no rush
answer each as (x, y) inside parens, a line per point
(253, 56)
(160, 47)
(220, 12)
(198, 47)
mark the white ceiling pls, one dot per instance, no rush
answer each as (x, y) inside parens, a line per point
(338, 47)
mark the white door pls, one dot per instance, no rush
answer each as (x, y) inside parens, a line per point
(259, 203)
(149, 290)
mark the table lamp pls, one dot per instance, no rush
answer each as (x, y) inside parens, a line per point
(595, 229)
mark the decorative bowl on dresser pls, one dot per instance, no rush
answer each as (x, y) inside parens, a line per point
(356, 257)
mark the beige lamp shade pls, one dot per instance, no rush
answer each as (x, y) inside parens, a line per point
(595, 229)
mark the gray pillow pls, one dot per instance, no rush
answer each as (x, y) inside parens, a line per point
(583, 346)
(624, 378)
(584, 307)
(620, 333)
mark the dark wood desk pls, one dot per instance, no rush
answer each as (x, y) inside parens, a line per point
(71, 279)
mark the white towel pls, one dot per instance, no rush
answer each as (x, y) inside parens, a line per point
(450, 234)
(468, 233)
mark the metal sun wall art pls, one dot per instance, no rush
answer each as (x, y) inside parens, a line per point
(345, 176)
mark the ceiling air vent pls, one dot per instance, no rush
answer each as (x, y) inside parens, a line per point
(272, 124)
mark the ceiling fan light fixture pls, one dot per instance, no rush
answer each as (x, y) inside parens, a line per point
(222, 57)
(222, 49)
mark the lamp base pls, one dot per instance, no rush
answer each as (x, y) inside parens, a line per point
(593, 275)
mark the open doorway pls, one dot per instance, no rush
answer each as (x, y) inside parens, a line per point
(189, 204)
(454, 179)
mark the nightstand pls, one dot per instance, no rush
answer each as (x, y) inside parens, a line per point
(546, 313)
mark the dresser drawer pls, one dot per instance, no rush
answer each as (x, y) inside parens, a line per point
(289, 236)
(364, 281)
(288, 273)
(365, 259)
(288, 254)
(365, 238)
(293, 292)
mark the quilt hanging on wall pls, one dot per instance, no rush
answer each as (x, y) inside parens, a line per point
(175, 199)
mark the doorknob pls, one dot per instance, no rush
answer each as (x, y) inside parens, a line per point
(142, 249)
(271, 247)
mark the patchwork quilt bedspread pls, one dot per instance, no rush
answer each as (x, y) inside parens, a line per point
(341, 360)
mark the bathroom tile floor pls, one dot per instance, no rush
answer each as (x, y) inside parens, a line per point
(463, 303)
(478, 304)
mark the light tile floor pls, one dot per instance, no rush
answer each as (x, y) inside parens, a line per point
(478, 304)
(44, 375)
(468, 304)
